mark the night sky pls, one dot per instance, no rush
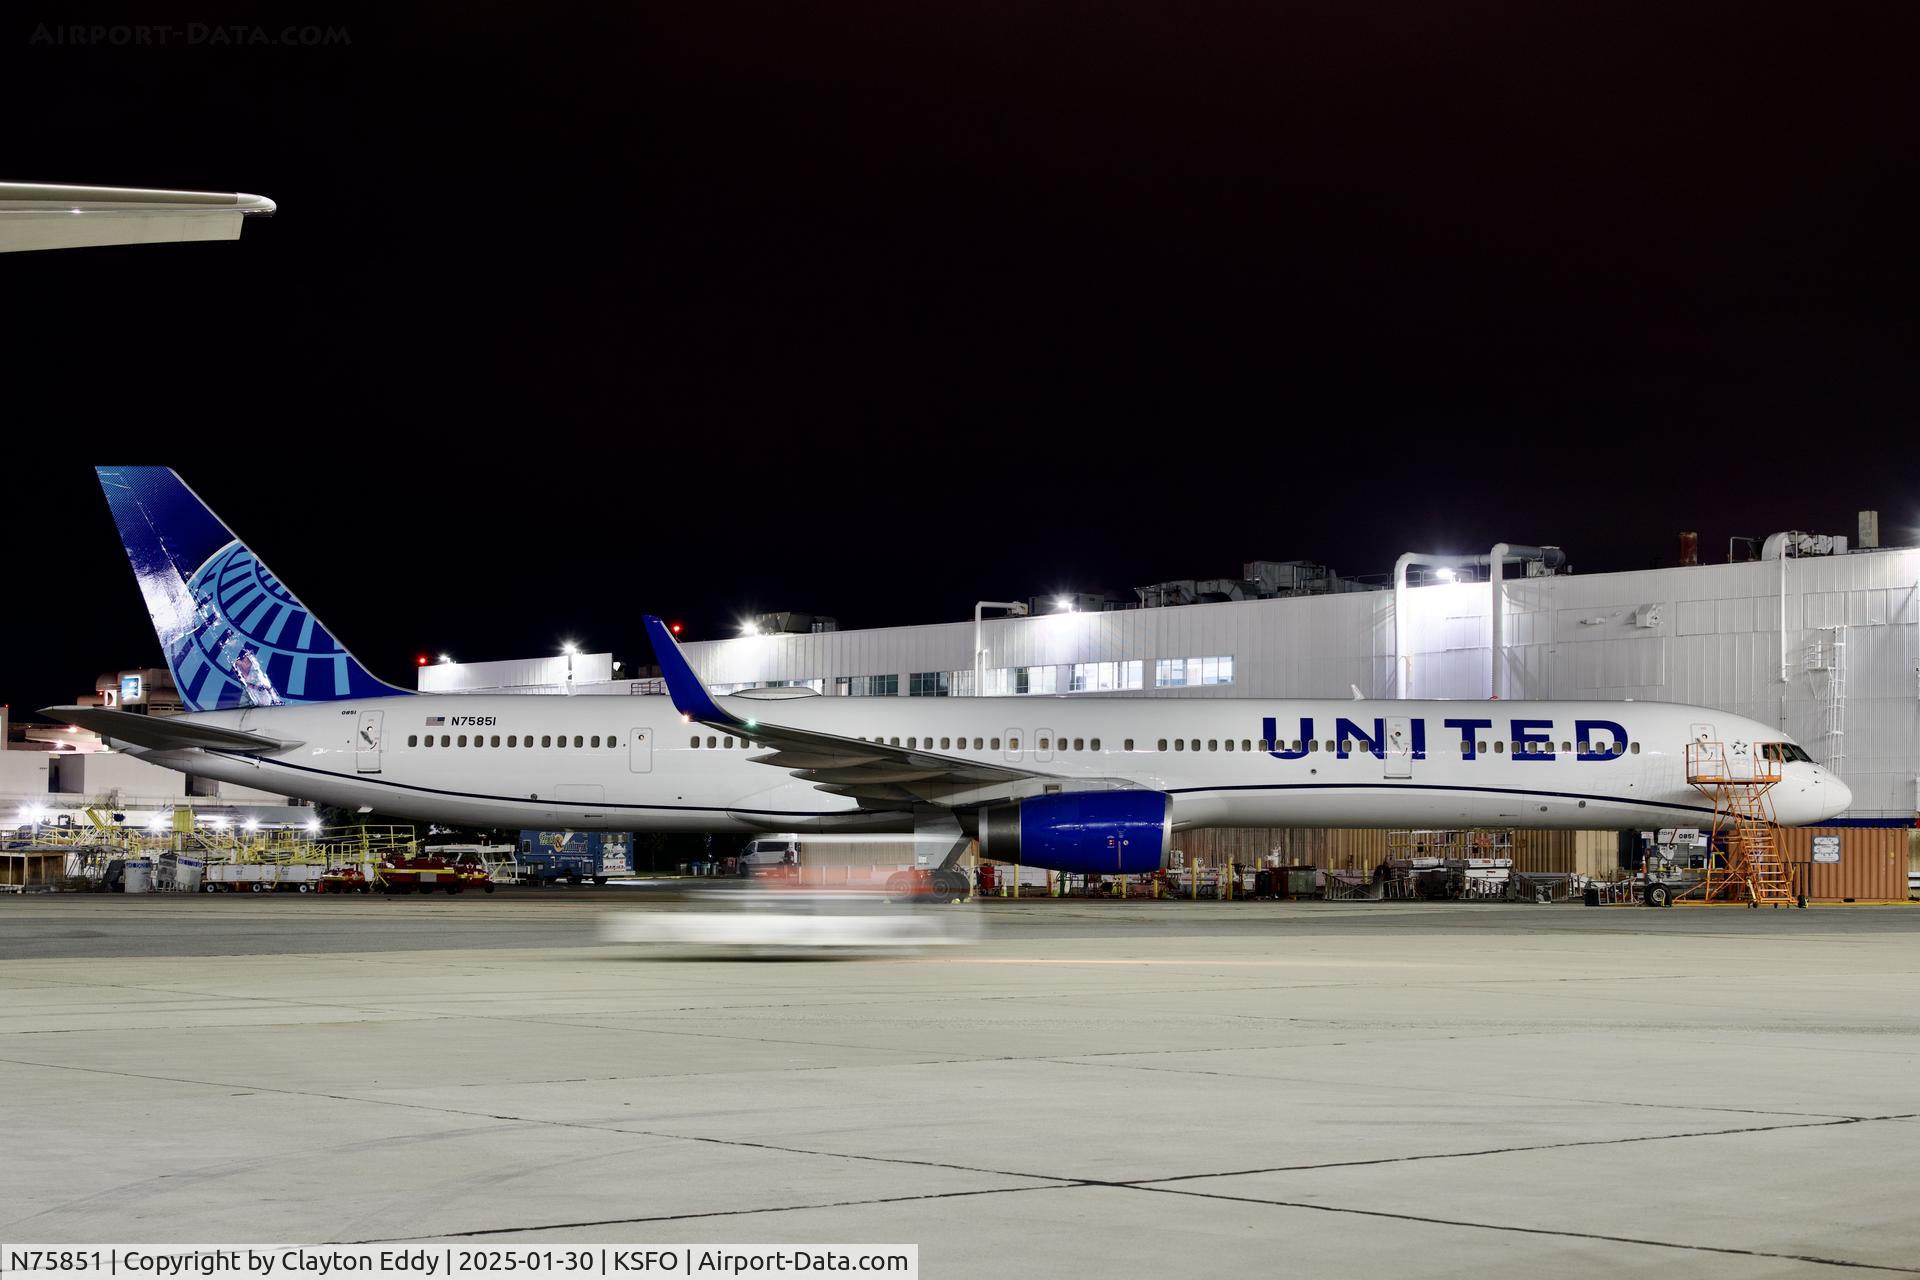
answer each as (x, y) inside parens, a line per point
(577, 311)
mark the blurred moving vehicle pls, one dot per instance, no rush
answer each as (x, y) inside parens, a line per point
(770, 921)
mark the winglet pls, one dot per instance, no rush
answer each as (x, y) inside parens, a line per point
(690, 697)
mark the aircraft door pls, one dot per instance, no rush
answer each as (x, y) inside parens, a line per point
(1042, 746)
(366, 741)
(1397, 753)
(640, 751)
(1714, 759)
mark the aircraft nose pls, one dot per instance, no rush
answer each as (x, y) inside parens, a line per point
(1839, 796)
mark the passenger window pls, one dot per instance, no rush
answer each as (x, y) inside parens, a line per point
(976, 744)
(445, 740)
(463, 740)
(1331, 745)
(1079, 744)
(576, 740)
(1127, 745)
(1635, 748)
(1095, 743)
(513, 740)
(560, 741)
(1246, 745)
(1483, 749)
(1498, 747)
(1346, 746)
(710, 742)
(1013, 744)
(1568, 746)
(496, 740)
(1314, 745)
(946, 744)
(1179, 744)
(912, 743)
(1046, 744)
(479, 739)
(694, 741)
(1229, 744)
(546, 740)
(1583, 749)
(1162, 746)
(996, 744)
(725, 742)
(1619, 748)
(1196, 744)
(413, 739)
(1296, 746)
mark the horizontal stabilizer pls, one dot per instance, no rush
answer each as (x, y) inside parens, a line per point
(38, 215)
(164, 733)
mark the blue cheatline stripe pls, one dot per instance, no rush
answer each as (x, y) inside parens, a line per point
(1437, 786)
(577, 804)
(831, 813)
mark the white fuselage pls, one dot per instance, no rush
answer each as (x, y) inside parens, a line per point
(632, 763)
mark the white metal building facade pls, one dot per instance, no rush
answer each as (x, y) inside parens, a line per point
(1828, 647)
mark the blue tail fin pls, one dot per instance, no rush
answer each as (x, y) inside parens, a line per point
(232, 634)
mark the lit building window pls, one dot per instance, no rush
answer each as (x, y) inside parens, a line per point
(1018, 680)
(927, 684)
(867, 686)
(1105, 677)
(1179, 673)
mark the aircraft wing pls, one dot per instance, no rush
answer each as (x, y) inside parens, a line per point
(846, 766)
(40, 215)
(164, 733)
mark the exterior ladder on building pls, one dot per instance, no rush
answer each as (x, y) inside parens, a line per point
(1750, 867)
(1828, 654)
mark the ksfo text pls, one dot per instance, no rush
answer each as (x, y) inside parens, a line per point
(723, 1261)
(311, 1262)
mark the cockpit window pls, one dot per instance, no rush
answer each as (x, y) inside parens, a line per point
(1785, 753)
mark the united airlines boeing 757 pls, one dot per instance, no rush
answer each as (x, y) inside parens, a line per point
(1071, 782)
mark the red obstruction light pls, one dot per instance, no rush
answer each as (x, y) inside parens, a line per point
(674, 627)
(420, 661)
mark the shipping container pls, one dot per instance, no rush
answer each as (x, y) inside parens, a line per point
(1868, 864)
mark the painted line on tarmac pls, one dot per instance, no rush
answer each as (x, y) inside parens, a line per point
(1542, 1231)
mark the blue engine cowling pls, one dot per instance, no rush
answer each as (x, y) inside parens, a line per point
(1098, 832)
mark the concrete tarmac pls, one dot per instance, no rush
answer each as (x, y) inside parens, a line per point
(1095, 1089)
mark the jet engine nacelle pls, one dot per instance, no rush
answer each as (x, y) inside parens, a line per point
(1097, 832)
